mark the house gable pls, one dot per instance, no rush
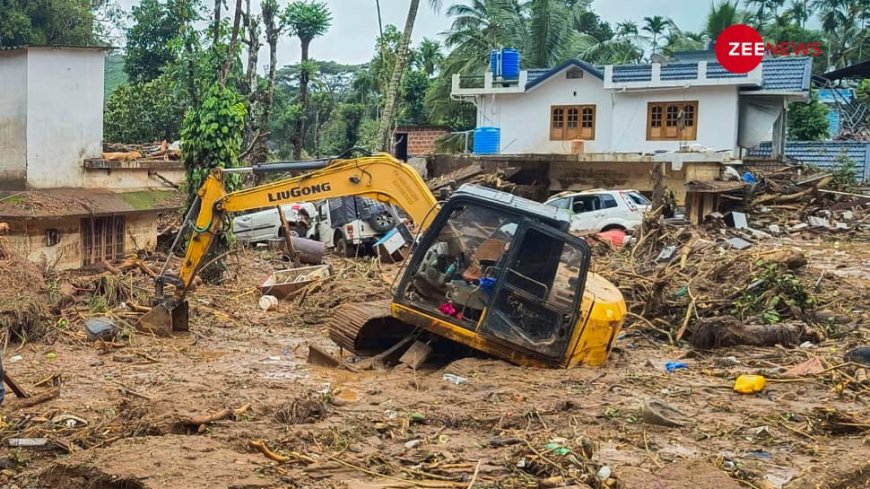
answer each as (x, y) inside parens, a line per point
(542, 76)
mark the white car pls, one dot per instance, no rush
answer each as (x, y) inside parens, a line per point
(602, 210)
(264, 225)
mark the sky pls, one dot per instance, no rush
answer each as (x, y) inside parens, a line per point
(351, 39)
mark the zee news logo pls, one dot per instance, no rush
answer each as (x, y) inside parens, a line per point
(740, 48)
(784, 48)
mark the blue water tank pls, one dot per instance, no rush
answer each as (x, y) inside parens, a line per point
(487, 140)
(505, 63)
(510, 64)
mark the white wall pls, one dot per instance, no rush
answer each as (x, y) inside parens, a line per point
(620, 124)
(524, 118)
(718, 110)
(13, 119)
(64, 114)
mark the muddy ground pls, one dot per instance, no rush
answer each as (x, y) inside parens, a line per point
(125, 417)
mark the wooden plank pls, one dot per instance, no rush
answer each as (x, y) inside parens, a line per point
(17, 389)
(416, 355)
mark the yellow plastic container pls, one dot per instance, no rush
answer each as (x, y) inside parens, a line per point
(749, 384)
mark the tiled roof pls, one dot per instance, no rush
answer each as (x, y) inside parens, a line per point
(823, 154)
(541, 77)
(787, 73)
(679, 71)
(632, 73)
(535, 73)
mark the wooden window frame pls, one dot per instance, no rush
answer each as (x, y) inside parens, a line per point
(102, 239)
(666, 114)
(584, 129)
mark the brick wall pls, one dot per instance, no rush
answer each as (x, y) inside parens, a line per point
(421, 140)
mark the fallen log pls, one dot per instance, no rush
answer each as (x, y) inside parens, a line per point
(196, 421)
(35, 400)
(726, 331)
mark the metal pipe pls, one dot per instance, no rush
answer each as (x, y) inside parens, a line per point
(280, 166)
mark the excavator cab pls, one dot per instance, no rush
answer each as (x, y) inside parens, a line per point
(500, 274)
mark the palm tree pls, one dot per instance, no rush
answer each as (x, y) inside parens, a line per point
(429, 56)
(626, 28)
(305, 20)
(386, 126)
(832, 13)
(722, 15)
(657, 26)
(799, 12)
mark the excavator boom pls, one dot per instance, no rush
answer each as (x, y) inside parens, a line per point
(380, 177)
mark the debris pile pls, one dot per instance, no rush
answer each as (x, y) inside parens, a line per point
(500, 179)
(694, 282)
(23, 297)
(162, 150)
(782, 203)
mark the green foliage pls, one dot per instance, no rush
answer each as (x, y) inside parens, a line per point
(143, 112)
(808, 121)
(776, 293)
(307, 19)
(211, 137)
(45, 22)
(844, 173)
(150, 46)
(414, 87)
(863, 91)
(115, 75)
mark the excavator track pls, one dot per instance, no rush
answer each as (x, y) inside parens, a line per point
(366, 328)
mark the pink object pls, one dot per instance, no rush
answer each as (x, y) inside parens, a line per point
(447, 308)
(616, 237)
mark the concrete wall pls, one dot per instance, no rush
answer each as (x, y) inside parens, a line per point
(620, 122)
(717, 116)
(524, 118)
(13, 120)
(64, 114)
(28, 238)
(130, 178)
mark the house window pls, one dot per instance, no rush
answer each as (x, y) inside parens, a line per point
(102, 239)
(672, 120)
(572, 122)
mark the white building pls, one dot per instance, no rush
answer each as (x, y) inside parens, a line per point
(677, 106)
(65, 205)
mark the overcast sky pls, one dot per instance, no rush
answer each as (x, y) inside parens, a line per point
(351, 39)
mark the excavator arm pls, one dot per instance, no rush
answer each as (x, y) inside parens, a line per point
(380, 177)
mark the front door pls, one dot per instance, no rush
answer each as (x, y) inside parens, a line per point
(535, 302)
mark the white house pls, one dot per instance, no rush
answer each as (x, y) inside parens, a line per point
(689, 104)
(65, 205)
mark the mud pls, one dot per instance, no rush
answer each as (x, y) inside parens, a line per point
(505, 427)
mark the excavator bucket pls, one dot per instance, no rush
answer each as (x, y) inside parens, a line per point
(165, 318)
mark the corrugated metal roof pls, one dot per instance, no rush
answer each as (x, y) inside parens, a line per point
(52, 46)
(823, 154)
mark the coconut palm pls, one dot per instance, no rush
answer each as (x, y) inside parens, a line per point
(429, 56)
(385, 128)
(305, 20)
(722, 15)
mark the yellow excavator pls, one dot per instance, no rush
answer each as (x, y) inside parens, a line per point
(489, 270)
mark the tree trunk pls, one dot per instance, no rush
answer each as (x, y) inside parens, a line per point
(304, 76)
(217, 21)
(234, 41)
(385, 131)
(272, 34)
(252, 124)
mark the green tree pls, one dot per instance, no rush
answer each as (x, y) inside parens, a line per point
(808, 121)
(429, 56)
(150, 46)
(392, 93)
(863, 91)
(51, 22)
(722, 15)
(143, 112)
(306, 20)
(414, 87)
(657, 26)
